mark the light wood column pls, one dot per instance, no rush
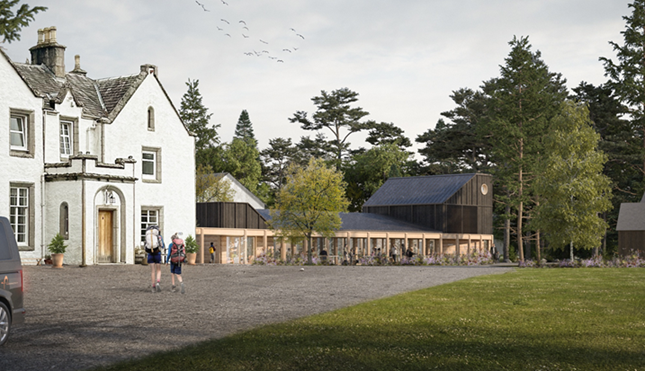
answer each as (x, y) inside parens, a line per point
(201, 249)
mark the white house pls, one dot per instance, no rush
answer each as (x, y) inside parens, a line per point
(241, 193)
(94, 160)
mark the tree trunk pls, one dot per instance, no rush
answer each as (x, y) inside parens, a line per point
(571, 250)
(520, 210)
(507, 235)
(538, 248)
(309, 247)
(527, 245)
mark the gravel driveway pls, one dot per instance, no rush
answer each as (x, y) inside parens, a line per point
(78, 318)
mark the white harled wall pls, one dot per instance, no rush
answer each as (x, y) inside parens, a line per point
(14, 94)
(128, 134)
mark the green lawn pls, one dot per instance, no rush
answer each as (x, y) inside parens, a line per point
(531, 319)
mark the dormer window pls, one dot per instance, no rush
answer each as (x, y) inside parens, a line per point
(151, 119)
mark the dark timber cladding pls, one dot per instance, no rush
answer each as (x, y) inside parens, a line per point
(229, 215)
(456, 203)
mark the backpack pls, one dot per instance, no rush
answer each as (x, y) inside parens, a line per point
(177, 251)
(153, 242)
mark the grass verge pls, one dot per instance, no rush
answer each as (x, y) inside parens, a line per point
(530, 319)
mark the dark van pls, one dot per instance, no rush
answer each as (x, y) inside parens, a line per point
(12, 311)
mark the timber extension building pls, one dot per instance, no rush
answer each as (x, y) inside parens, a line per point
(440, 214)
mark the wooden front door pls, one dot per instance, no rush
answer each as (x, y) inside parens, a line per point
(105, 253)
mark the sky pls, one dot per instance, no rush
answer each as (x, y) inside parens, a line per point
(403, 57)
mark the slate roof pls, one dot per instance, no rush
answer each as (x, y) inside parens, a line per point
(420, 190)
(368, 222)
(631, 216)
(113, 89)
(99, 98)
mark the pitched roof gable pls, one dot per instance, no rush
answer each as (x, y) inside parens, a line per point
(117, 91)
(420, 190)
(631, 217)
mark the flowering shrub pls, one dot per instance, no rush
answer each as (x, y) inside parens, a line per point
(527, 264)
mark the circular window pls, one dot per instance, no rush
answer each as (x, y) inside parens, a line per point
(484, 189)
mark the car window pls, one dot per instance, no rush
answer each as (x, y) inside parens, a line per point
(4, 245)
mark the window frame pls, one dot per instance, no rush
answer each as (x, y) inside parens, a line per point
(24, 135)
(69, 137)
(64, 220)
(155, 177)
(151, 119)
(27, 242)
(27, 132)
(145, 211)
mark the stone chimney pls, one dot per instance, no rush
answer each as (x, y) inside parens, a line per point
(49, 52)
(77, 66)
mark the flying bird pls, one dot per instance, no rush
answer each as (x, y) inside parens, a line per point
(224, 2)
(224, 20)
(300, 36)
(246, 37)
(280, 61)
(202, 5)
(246, 28)
(292, 29)
(219, 29)
(227, 35)
(262, 41)
(286, 50)
(270, 57)
(265, 51)
(242, 22)
(294, 48)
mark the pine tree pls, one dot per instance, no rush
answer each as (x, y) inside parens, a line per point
(522, 102)
(627, 79)
(334, 112)
(455, 146)
(244, 128)
(10, 23)
(277, 158)
(196, 118)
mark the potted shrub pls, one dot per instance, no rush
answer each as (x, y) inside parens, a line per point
(191, 250)
(48, 259)
(57, 249)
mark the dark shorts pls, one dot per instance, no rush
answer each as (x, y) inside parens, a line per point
(154, 258)
(175, 268)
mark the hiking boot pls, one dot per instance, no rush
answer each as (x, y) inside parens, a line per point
(173, 289)
(158, 287)
(183, 289)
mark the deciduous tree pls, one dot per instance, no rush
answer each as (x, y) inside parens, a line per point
(309, 203)
(210, 187)
(571, 184)
(370, 170)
